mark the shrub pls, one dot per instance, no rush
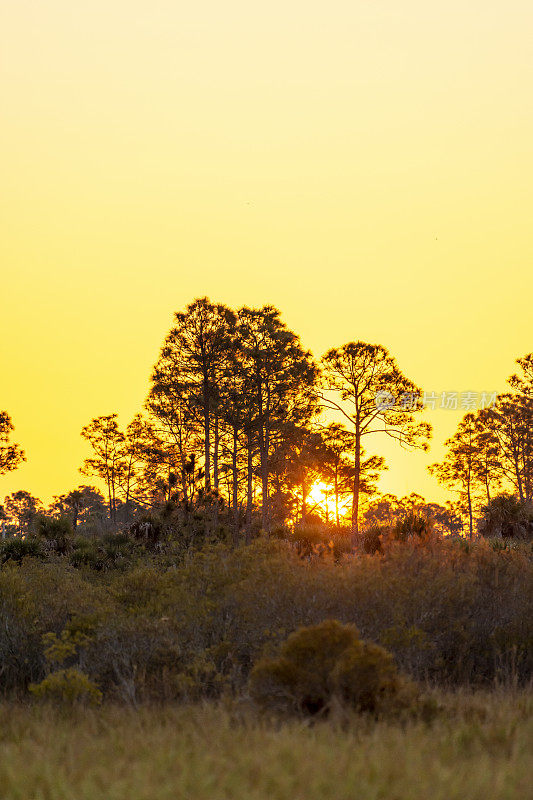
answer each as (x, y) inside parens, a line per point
(134, 658)
(17, 549)
(326, 662)
(365, 678)
(412, 526)
(148, 529)
(507, 517)
(310, 540)
(87, 553)
(113, 551)
(21, 659)
(56, 532)
(67, 686)
(371, 538)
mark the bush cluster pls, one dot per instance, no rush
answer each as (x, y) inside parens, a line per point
(154, 626)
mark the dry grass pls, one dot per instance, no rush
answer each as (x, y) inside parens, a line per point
(478, 748)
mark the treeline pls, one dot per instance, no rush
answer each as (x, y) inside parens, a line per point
(233, 422)
(236, 429)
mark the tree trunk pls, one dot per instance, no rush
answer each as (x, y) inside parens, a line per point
(128, 482)
(304, 502)
(527, 460)
(356, 483)
(215, 452)
(249, 499)
(215, 470)
(235, 489)
(516, 464)
(470, 519)
(337, 495)
(113, 503)
(264, 446)
(109, 500)
(207, 440)
(264, 494)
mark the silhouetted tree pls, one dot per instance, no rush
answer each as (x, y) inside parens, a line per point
(74, 500)
(512, 422)
(337, 467)
(191, 364)
(237, 411)
(487, 464)
(387, 510)
(171, 406)
(281, 376)
(21, 509)
(459, 467)
(301, 453)
(108, 461)
(375, 397)
(523, 384)
(141, 451)
(11, 455)
(79, 504)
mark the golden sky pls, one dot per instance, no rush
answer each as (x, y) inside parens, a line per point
(365, 165)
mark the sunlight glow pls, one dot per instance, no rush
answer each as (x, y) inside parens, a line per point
(321, 501)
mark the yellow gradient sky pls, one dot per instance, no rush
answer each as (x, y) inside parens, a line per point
(365, 165)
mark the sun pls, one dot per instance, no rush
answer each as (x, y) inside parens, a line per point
(321, 500)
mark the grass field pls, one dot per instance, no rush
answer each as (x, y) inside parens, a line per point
(477, 748)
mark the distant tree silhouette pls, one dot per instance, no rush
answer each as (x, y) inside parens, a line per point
(337, 463)
(459, 467)
(108, 462)
(387, 510)
(11, 455)
(74, 501)
(237, 413)
(78, 504)
(21, 509)
(511, 422)
(494, 447)
(140, 454)
(487, 464)
(175, 426)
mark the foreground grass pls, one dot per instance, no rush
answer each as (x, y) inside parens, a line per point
(478, 748)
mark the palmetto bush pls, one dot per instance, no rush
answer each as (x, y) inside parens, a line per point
(507, 517)
(17, 549)
(412, 526)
